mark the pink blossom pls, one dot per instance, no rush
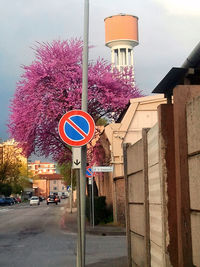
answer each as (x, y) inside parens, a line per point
(52, 85)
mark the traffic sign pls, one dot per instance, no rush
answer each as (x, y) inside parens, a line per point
(76, 158)
(102, 168)
(89, 172)
(69, 188)
(76, 128)
(90, 180)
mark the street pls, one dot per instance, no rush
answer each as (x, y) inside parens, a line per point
(34, 236)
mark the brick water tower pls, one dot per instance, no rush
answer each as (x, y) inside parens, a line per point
(121, 36)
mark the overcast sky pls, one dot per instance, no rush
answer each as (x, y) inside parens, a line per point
(168, 32)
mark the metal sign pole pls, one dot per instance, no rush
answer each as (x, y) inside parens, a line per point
(71, 193)
(84, 108)
(90, 187)
(93, 202)
(79, 262)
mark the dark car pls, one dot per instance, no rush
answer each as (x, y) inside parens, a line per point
(57, 198)
(52, 199)
(9, 201)
(15, 200)
(2, 201)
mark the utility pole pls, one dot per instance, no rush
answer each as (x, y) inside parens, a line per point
(84, 108)
(79, 258)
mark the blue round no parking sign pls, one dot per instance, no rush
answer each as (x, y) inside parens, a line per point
(76, 128)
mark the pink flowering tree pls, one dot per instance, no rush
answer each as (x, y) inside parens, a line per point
(52, 85)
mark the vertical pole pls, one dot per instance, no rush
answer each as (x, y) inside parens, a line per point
(83, 199)
(146, 197)
(93, 202)
(85, 58)
(79, 262)
(127, 58)
(90, 186)
(113, 57)
(84, 108)
(71, 193)
(128, 233)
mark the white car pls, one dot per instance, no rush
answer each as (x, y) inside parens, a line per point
(34, 201)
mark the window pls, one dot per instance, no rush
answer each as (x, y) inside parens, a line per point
(63, 188)
(55, 188)
(54, 182)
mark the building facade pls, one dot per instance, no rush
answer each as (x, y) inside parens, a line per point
(39, 167)
(141, 113)
(48, 184)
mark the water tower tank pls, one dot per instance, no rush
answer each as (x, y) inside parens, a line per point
(121, 35)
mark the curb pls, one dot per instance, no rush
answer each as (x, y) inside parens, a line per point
(69, 223)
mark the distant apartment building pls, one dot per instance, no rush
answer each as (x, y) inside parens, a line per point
(48, 184)
(39, 167)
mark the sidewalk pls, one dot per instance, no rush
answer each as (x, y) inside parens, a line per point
(70, 224)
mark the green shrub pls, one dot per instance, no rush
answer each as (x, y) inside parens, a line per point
(102, 213)
(5, 189)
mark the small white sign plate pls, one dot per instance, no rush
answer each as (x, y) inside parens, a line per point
(76, 157)
(102, 168)
(90, 180)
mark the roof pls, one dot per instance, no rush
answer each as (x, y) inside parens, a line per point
(121, 14)
(40, 163)
(53, 176)
(139, 100)
(122, 114)
(174, 77)
(177, 76)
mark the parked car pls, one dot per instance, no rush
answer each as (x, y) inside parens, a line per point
(65, 195)
(18, 199)
(52, 199)
(57, 198)
(2, 201)
(34, 201)
(14, 199)
(9, 201)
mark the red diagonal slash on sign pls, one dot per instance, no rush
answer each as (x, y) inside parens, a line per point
(79, 130)
(89, 172)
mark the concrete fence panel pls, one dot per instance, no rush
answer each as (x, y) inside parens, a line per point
(155, 203)
(193, 140)
(135, 204)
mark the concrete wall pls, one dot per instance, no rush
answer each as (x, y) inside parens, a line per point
(168, 183)
(155, 199)
(171, 170)
(120, 197)
(193, 137)
(151, 195)
(135, 205)
(183, 94)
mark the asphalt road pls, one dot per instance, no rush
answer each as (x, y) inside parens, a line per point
(34, 236)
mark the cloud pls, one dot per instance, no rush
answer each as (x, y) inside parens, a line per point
(168, 32)
(180, 7)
